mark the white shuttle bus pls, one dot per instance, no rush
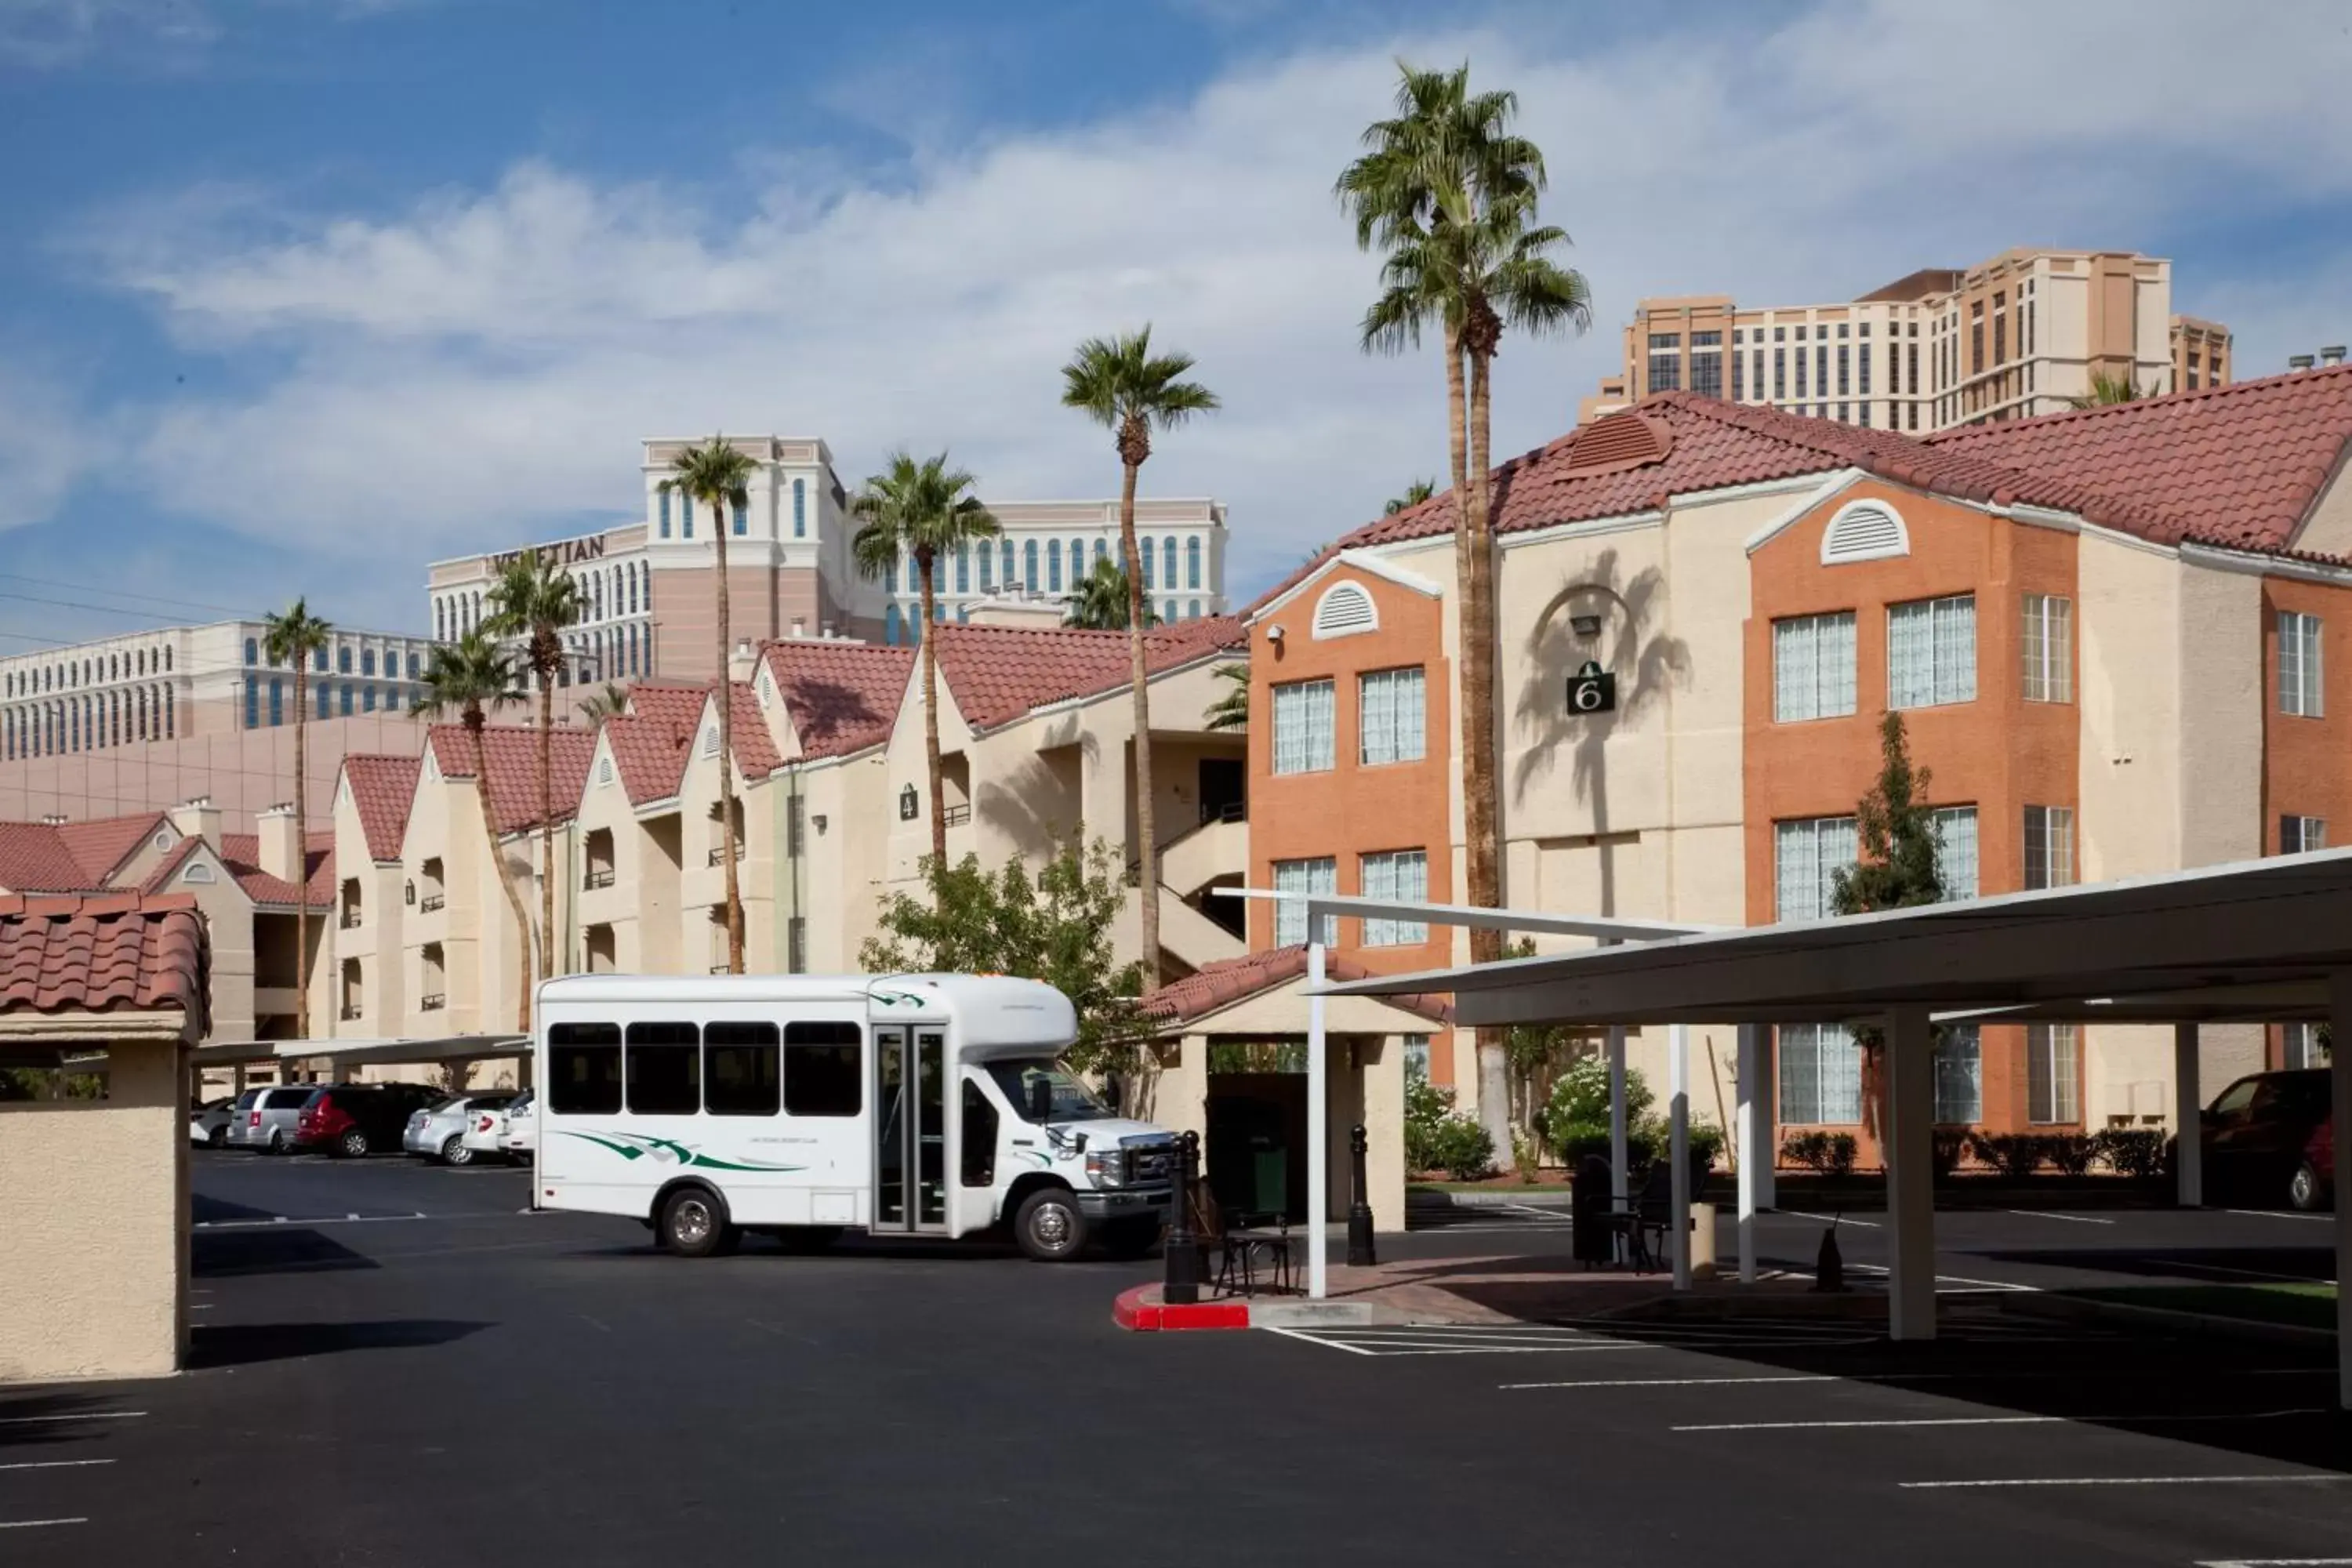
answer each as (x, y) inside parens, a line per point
(807, 1105)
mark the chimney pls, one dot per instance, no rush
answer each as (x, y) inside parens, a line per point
(279, 854)
(53, 819)
(2298, 362)
(827, 632)
(198, 818)
(800, 628)
(2332, 354)
(741, 663)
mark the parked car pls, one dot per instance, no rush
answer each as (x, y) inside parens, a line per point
(2267, 1138)
(495, 1131)
(520, 1140)
(264, 1118)
(349, 1120)
(438, 1131)
(208, 1123)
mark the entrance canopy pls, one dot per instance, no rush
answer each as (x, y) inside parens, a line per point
(2252, 942)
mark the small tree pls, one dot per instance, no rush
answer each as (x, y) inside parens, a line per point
(1414, 494)
(1098, 601)
(1533, 1052)
(1055, 927)
(1895, 869)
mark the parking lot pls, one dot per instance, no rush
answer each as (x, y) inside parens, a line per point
(396, 1363)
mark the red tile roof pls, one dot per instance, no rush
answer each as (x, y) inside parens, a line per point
(70, 857)
(840, 697)
(383, 789)
(650, 752)
(1217, 986)
(110, 953)
(510, 752)
(755, 749)
(2237, 465)
(103, 844)
(241, 853)
(998, 673)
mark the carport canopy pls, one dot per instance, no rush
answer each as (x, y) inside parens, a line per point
(2255, 941)
(365, 1053)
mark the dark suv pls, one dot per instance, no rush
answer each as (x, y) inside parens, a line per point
(2267, 1136)
(349, 1120)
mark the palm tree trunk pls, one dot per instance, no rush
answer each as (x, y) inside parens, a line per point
(498, 869)
(1480, 809)
(924, 564)
(726, 689)
(301, 867)
(546, 826)
(1146, 877)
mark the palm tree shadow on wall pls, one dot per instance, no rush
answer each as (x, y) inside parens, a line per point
(1647, 664)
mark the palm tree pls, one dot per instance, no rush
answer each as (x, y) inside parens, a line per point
(1098, 601)
(468, 678)
(2107, 390)
(1448, 194)
(1126, 388)
(920, 510)
(291, 638)
(1414, 494)
(533, 601)
(1230, 710)
(609, 703)
(720, 477)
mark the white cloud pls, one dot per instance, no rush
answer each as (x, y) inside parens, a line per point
(50, 35)
(46, 445)
(484, 362)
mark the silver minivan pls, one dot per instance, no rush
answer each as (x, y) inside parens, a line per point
(265, 1118)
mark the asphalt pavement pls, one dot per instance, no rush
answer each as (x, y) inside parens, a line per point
(400, 1364)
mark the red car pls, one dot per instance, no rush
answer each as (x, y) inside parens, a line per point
(2268, 1136)
(347, 1119)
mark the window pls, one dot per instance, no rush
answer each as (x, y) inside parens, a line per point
(1029, 565)
(2298, 660)
(367, 661)
(1807, 854)
(2049, 643)
(1053, 565)
(1191, 562)
(1665, 362)
(796, 945)
(277, 702)
(1400, 874)
(1863, 531)
(664, 514)
(821, 1071)
(252, 651)
(1931, 652)
(664, 1069)
(2049, 847)
(584, 1068)
(1861, 383)
(1302, 877)
(344, 705)
(343, 659)
(1345, 609)
(1845, 370)
(1302, 727)
(2301, 1046)
(800, 509)
(1706, 364)
(1813, 667)
(742, 1070)
(978, 1167)
(1959, 1075)
(1955, 850)
(1801, 366)
(252, 704)
(1416, 1058)
(686, 514)
(2299, 834)
(2052, 1073)
(963, 569)
(1779, 370)
(741, 521)
(1390, 725)
(1821, 1074)
(1739, 376)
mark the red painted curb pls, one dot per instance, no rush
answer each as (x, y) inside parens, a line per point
(1139, 1309)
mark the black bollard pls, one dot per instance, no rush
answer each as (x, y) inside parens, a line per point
(1359, 1208)
(1181, 1286)
(1829, 1267)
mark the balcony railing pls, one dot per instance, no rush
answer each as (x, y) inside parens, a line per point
(431, 1004)
(430, 902)
(351, 1011)
(351, 920)
(955, 816)
(601, 876)
(1224, 811)
(721, 967)
(718, 854)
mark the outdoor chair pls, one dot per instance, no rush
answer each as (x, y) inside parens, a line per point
(1647, 1216)
(1247, 1243)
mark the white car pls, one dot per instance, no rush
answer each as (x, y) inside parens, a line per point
(505, 1132)
(520, 1140)
(208, 1123)
(438, 1131)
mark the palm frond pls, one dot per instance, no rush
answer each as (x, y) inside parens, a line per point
(294, 633)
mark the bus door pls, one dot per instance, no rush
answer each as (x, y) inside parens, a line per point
(910, 1129)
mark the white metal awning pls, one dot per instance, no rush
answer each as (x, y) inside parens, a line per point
(365, 1053)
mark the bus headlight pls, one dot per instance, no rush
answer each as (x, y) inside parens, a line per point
(1106, 1168)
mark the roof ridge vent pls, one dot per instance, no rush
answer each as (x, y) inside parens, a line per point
(1615, 442)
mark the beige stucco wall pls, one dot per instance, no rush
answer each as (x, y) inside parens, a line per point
(94, 1230)
(2327, 527)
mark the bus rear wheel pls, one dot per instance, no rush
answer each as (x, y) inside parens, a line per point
(694, 1224)
(1049, 1227)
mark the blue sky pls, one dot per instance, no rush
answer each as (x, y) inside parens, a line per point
(298, 295)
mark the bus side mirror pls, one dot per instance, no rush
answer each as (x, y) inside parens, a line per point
(1041, 1101)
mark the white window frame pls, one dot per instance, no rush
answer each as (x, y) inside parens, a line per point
(2054, 1097)
(1385, 732)
(2050, 837)
(1806, 835)
(1813, 667)
(1956, 840)
(1949, 679)
(2302, 834)
(1959, 1075)
(1402, 875)
(1299, 750)
(1819, 1072)
(2300, 666)
(1317, 874)
(2047, 637)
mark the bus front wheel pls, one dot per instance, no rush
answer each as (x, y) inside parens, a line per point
(694, 1224)
(1049, 1227)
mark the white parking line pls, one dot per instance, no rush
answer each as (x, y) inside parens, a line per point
(2125, 1481)
(1973, 1285)
(2277, 1562)
(289, 1219)
(37, 1524)
(2048, 1213)
(82, 1415)
(2005, 1421)
(2282, 1214)
(1671, 1382)
(54, 1464)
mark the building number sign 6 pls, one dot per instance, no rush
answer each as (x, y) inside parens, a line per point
(1591, 690)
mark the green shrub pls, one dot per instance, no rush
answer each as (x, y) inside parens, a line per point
(1839, 1161)
(2071, 1152)
(1578, 1107)
(1463, 1148)
(1426, 1108)
(1951, 1144)
(2134, 1151)
(1828, 1153)
(2014, 1155)
(1706, 1145)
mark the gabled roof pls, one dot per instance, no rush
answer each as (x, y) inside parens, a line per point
(383, 789)
(650, 753)
(755, 748)
(2237, 466)
(998, 673)
(241, 853)
(839, 697)
(103, 844)
(70, 857)
(1215, 986)
(510, 754)
(108, 952)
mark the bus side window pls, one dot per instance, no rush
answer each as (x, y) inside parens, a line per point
(664, 1069)
(740, 1069)
(584, 1068)
(979, 1138)
(823, 1068)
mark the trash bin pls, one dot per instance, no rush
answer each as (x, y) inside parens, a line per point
(1591, 1240)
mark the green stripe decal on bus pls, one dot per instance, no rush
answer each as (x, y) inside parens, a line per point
(667, 1151)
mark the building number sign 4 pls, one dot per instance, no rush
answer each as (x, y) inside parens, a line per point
(1591, 690)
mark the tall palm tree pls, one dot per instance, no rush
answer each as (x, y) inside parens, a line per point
(920, 510)
(468, 678)
(720, 477)
(1099, 600)
(534, 601)
(1122, 385)
(610, 703)
(292, 638)
(1414, 494)
(1448, 194)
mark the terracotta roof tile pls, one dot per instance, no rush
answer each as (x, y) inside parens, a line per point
(104, 844)
(1221, 985)
(650, 750)
(511, 751)
(998, 673)
(383, 789)
(70, 857)
(160, 879)
(755, 749)
(113, 952)
(241, 853)
(840, 697)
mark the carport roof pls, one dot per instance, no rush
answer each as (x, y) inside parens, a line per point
(2253, 940)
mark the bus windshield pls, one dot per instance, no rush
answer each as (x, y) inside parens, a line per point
(1072, 1100)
